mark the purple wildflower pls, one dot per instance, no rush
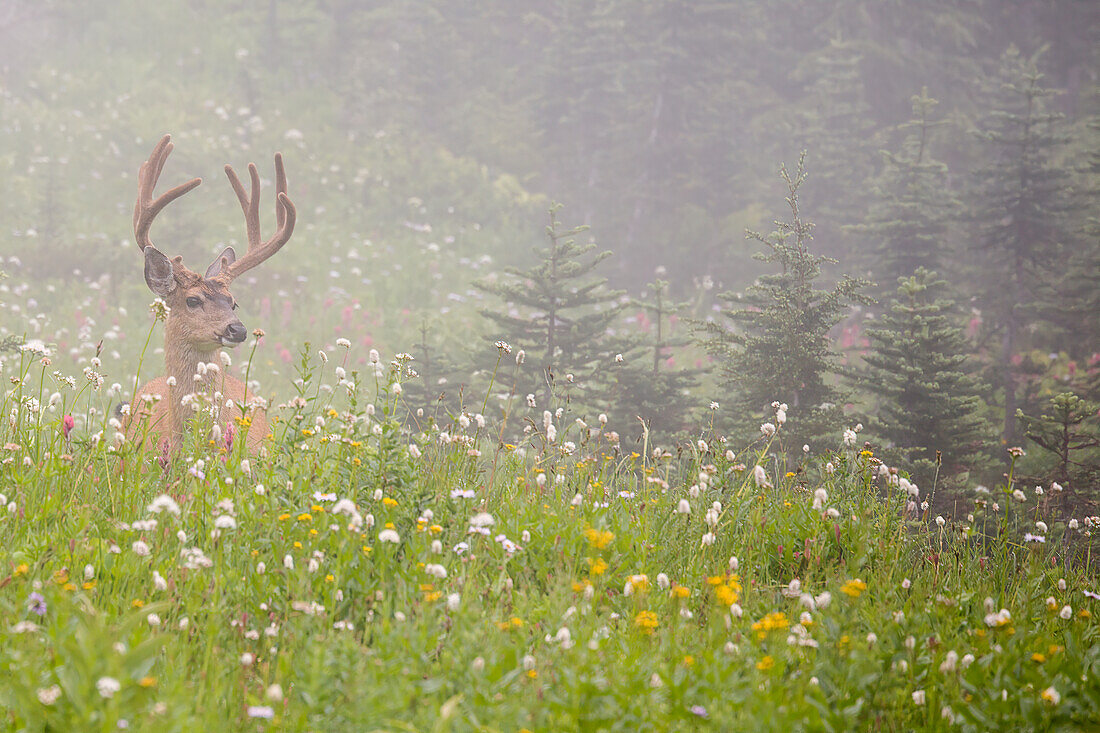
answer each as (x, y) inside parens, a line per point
(36, 603)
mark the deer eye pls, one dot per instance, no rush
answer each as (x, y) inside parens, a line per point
(194, 302)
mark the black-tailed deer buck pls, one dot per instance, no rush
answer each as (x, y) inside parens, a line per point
(201, 319)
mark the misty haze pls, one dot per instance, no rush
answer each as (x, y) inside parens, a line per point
(635, 366)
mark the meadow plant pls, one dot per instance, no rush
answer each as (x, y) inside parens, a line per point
(373, 571)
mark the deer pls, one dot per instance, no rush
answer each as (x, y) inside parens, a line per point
(201, 316)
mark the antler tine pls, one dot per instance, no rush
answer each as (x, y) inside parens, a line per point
(285, 216)
(280, 188)
(146, 209)
(250, 204)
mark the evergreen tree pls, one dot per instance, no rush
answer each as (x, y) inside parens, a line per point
(838, 130)
(775, 345)
(1070, 432)
(645, 385)
(908, 221)
(439, 385)
(1019, 199)
(930, 406)
(1078, 301)
(559, 316)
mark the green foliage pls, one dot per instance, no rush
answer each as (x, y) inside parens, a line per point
(838, 130)
(775, 344)
(1019, 201)
(649, 384)
(1069, 433)
(930, 406)
(908, 221)
(559, 315)
(357, 576)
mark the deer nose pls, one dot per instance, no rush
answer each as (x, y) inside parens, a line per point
(235, 332)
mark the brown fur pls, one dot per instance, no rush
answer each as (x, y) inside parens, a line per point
(191, 337)
(195, 333)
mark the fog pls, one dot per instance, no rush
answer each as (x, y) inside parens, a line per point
(424, 143)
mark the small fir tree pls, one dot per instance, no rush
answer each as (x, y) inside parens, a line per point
(560, 316)
(774, 344)
(908, 221)
(646, 385)
(930, 405)
(1020, 198)
(1069, 432)
(439, 385)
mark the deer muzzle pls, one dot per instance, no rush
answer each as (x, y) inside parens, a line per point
(235, 333)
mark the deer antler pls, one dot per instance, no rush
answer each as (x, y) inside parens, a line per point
(146, 209)
(284, 218)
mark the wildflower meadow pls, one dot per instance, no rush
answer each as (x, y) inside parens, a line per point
(532, 367)
(380, 569)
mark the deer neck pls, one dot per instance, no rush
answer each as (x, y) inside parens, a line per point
(182, 360)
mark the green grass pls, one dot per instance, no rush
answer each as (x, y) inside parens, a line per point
(612, 610)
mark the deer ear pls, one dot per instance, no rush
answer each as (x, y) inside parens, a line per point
(158, 272)
(226, 258)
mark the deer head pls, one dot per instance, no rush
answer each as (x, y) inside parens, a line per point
(202, 317)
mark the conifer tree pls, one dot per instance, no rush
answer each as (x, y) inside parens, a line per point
(439, 385)
(908, 221)
(1078, 302)
(560, 316)
(645, 384)
(929, 401)
(838, 130)
(1070, 432)
(775, 345)
(1020, 199)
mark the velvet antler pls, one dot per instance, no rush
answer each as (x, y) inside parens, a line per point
(146, 209)
(250, 204)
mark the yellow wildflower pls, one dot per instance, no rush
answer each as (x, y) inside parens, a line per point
(596, 566)
(597, 538)
(646, 621)
(772, 622)
(728, 596)
(853, 588)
